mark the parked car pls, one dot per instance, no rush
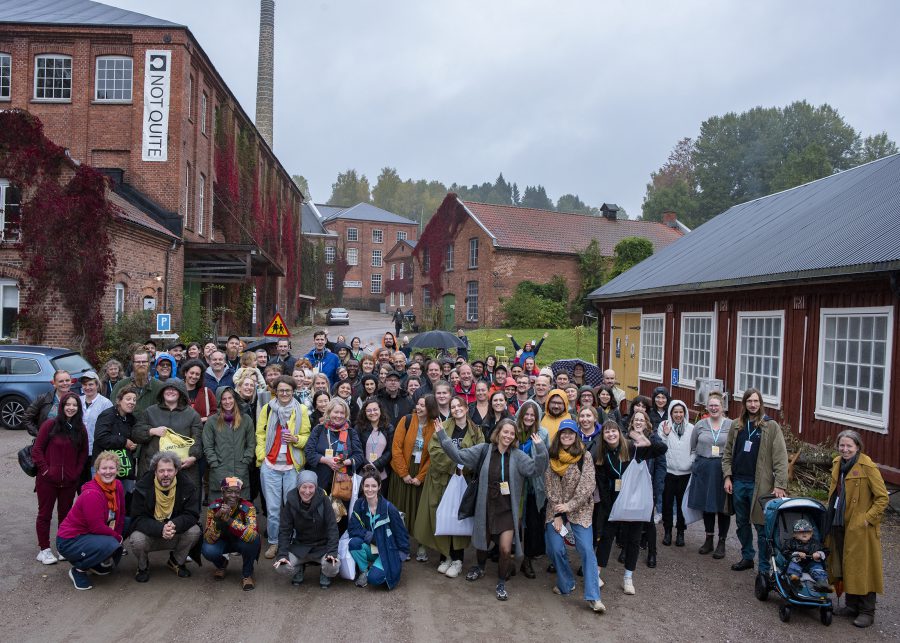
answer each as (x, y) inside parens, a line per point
(26, 372)
(337, 316)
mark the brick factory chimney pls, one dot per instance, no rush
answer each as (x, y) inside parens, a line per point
(265, 75)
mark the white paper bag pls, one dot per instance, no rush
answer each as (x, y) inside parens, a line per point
(635, 501)
(446, 522)
(348, 565)
(690, 515)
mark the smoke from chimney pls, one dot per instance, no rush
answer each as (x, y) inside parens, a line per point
(265, 74)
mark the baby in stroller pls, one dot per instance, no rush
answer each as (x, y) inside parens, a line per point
(807, 555)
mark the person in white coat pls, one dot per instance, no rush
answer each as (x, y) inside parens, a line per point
(676, 432)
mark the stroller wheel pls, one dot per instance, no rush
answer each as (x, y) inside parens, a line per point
(784, 613)
(761, 587)
(825, 615)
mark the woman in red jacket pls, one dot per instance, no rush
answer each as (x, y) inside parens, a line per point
(91, 535)
(59, 453)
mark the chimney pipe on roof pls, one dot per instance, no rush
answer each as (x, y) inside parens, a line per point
(265, 71)
(670, 219)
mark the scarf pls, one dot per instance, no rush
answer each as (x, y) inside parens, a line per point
(561, 465)
(836, 504)
(165, 502)
(109, 491)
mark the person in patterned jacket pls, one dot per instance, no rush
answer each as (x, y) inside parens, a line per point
(231, 528)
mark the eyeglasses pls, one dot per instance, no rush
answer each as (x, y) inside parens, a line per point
(284, 391)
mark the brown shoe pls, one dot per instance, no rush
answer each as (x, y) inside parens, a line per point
(219, 572)
(247, 584)
(271, 550)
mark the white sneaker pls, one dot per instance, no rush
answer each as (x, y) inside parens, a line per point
(444, 566)
(60, 556)
(657, 517)
(598, 606)
(46, 556)
(628, 586)
(601, 583)
(454, 569)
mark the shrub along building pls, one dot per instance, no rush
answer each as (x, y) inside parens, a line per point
(139, 99)
(795, 294)
(470, 255)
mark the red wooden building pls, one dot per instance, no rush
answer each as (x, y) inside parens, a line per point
(795, 294)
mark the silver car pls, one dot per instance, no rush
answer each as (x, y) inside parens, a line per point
(337, 316)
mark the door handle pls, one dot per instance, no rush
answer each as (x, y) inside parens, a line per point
(633, 388)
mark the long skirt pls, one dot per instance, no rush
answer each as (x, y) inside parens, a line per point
(404, 496)
(707, 491)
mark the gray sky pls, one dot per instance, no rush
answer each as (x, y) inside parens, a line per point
(585, 97)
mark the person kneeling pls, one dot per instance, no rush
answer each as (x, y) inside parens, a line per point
(308, 532)
(231, 529)
(164, 511)
(379, 541)
(90, 537)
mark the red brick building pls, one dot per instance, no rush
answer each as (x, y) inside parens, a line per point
(365, 234)
(399, 286)
(486, 250)
(138, 98)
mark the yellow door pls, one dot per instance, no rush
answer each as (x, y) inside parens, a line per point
(625, 350)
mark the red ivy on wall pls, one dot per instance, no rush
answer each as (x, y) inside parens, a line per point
(65, 244)
(440, 231)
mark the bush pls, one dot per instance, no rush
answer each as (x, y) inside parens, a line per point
(118, 336)
(525, 310)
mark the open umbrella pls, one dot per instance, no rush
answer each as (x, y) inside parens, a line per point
(436, 339)
(261, 343)
(592, 373)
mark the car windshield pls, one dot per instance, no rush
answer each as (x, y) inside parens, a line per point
(72, 363)
(339, 311)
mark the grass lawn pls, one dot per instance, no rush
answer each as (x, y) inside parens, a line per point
(564, 343)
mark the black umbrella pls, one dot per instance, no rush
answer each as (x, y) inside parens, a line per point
(592, 373)
(261, 343)
(436, 339)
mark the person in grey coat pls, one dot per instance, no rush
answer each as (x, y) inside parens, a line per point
(502, 469)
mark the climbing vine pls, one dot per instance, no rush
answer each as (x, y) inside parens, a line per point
(65, 223)
(432, 244)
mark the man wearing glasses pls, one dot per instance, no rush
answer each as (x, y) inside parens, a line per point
(147, 388)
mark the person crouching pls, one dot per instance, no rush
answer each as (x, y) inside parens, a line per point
(231, 529)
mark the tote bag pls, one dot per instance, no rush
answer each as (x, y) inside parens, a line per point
(179, 444)
(447, 522)
(690, 515)
(635, 501)
(348, 565)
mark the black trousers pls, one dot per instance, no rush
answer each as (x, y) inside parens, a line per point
(533, 523)
(709, 522)
(630, 535)
(673, 490)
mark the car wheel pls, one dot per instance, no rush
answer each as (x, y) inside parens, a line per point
(12, 411)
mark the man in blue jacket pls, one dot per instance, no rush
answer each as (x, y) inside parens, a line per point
(321, 358)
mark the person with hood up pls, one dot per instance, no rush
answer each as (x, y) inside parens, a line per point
(172, 412)
(556, 409)
(165, 367)
(676, 432)
(229, 441)
(528, 421)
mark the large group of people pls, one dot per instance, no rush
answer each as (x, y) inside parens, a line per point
(180, 450)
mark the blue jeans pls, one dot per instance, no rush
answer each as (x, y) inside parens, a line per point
(814, 569)
(742, 497)
(228, 544)
(584, 543)
(89, 550)
(276, 485)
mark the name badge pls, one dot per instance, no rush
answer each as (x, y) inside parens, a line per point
(417, 457)
(373, 456)
(715, 452)
(504, 488)
(618, 484)
(374, 549)
(748, 446)
(329, 453)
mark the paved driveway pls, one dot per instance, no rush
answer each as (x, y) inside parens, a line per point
(367, 325)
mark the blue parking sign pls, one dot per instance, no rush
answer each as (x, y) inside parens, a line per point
(674, 377)
(163, 323)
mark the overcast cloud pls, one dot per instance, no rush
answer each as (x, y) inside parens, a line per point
(585, 97)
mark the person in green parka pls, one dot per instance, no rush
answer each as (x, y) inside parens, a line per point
(229, 441)
(464, 434)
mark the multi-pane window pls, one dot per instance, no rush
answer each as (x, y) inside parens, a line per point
(472, 301)
(473, 252)
(376, 258)
(190, 102)
(426, 259)
(401, 270)
(201, 204)
(352, 234)
(329, 280)
(10, 211)
(426, 296)
(113, 79)
(449, 262)
(392, 300)
(855, 365)
(204, 105)
(187, 195)
(6, 77)
(402, 297)
(9, 300)
(330, 254)
(653, 331)
(53, 77)
(759, 354)
(698, 343)
(376, 284)
(401, 235)
(352, 256)
(119, 308)
(393, 271)
(377, 236)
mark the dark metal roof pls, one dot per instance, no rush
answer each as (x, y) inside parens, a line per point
(310, 221)
(843, 224)
(368, 212)
(75, 12)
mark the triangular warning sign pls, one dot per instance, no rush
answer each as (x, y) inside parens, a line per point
(277, 328)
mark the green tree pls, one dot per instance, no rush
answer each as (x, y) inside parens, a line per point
(629, 252)
(536, 197)
(387, 193)
(350, 189)
(301, 182)
(802, 167)
(572, 203)
(877, 147)
(592, 265)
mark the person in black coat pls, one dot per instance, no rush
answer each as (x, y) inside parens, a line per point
(395, 400)
(112, 432)
(376, 435)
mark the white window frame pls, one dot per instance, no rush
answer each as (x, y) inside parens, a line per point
(376, 284)
(449, 258)
(119, 303)
(377, 235)
(377, 260)
(426, 296)
(400, 272)
(129, 81)
(6, 72)
(843, 417)
(684, 381)
(4, 186)
(354, 236)
(643, 373)
(4, 284)
(187, 197)
(392, 299)
(768, 400)
(204, 107)
(201, 214)
(352, 256)
(329, 280)
(426, 259)
(473, 253)
(401, 235)
(53, 99)
(330, 254)
(471, 309)
(393, 271)
(402, 297)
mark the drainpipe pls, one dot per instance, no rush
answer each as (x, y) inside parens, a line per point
(169, 252)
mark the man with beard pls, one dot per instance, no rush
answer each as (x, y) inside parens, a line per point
(555, 411)
(465, 388)
(396, 402)
(233, 352)
(352, 366)
(147, 389)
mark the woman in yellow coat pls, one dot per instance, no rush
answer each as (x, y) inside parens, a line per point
(857, 500)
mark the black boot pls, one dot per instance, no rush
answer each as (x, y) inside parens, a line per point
(621, 558)
(720, 549)
(651, 560)
(527, 569)
(667, 536)
(679, 538)
(707, 545)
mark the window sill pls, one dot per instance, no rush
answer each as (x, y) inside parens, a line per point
(651, 378)
(851, 420)
(51, 100)
(473, 267)
(5, 99)
(97, 101)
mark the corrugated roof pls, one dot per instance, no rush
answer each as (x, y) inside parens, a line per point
(368, 212)
(131, 214)
(310, 221)
(328, 211)
(842, 224)
(561, 232)
(75, 12)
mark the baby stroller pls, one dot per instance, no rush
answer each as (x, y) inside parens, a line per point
(781, 514)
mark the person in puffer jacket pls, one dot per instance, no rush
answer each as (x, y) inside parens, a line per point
(676, 432)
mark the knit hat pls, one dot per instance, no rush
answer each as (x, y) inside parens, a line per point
(803, 525)
(307, 476)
